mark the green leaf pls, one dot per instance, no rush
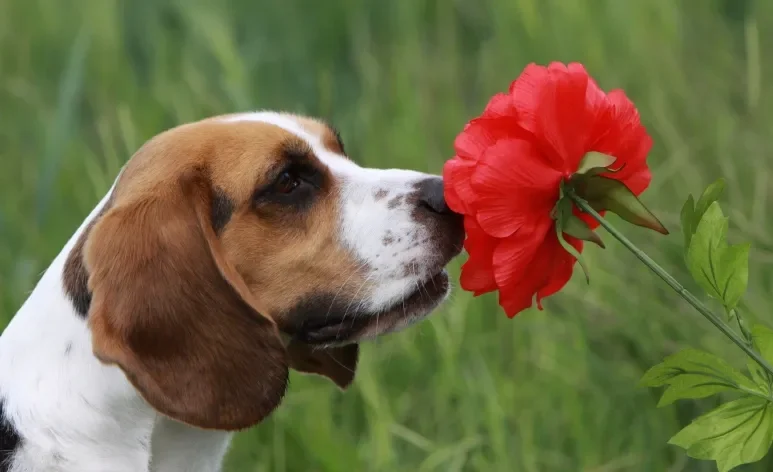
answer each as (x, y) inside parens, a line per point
(691, 373)
(692, 212)
(687, 218)
(705, 251)
(758, 375)
(721, 270)
(738, 432)
(762, 337)
(734, 274)
(763, 341)
(605, 194)
(709, 196)
(595, 160)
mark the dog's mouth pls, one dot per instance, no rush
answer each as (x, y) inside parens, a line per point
(347, 325)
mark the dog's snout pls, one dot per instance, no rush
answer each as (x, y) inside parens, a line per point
(446, 227)
(431, 195)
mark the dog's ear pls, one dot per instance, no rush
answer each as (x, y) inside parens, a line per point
(336, 363)
(176, 317)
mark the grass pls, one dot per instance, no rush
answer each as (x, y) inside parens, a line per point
(83, 84)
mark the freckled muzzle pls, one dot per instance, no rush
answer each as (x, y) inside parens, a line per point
(332, 318)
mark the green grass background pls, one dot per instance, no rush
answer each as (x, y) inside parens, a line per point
(84, 83)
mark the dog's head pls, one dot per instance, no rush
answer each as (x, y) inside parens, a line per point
(237, 247)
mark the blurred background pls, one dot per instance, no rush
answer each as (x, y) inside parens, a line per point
(83, 84)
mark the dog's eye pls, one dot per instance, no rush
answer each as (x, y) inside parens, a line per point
(287, 182)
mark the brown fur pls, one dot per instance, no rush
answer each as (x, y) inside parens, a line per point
(336, 363)
(329, 137)
(188, 314)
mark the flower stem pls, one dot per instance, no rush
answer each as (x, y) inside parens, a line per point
(672, 282)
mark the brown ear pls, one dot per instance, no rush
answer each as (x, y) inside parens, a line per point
(176, 317)
(336, 363)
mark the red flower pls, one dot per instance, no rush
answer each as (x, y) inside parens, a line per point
(508, 168)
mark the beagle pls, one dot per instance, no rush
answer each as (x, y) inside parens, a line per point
(227, 252)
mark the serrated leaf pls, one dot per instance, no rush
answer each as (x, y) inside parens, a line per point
(687, 218)
(733, 274)
(709, 196)
(691, 374)
(605, 194)
(738, 432)
(721, 270)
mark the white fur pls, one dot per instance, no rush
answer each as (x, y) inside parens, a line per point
(77, 414)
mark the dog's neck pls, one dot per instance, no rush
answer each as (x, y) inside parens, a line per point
(71, 412)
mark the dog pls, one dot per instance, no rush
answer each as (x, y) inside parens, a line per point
(227, 252)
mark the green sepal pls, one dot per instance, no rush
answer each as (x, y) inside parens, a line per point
(577, 228)
(605, 194)
(595, 163)
(571, 250)
(562, 213)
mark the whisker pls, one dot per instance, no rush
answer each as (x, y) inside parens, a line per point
(340, 289)
(356, 294)
(419, 285)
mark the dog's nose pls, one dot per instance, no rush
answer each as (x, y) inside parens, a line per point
(431, 195)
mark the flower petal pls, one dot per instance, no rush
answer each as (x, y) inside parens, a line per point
(512, 185)
(519, 295)
(620, 133)
(501, 105)
(638, 181)
(526, 90)
(515, 165)
(548, 271)
(456, 183)
(561, 265)
(513, 255)
(564, 119)
(478, 273)
(594, 96)
(482, 133)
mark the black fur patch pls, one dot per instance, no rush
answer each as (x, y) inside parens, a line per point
(222, 210)
(79, 292)
(323, 318)
(339, 140)
(75, 277)
(9, 441)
